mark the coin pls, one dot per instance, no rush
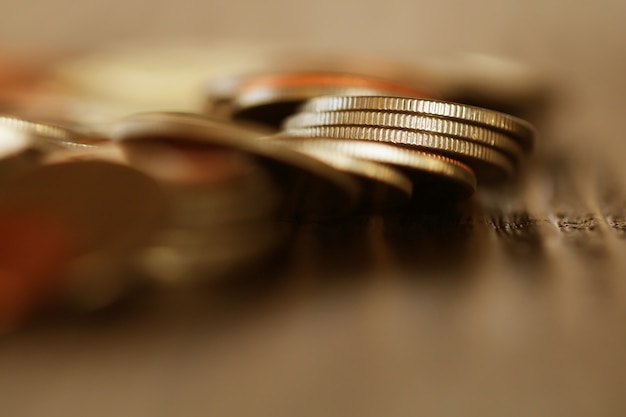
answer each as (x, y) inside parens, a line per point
(270, 98)
(92, 210)
(243, 198)
(432, 175)
(384, 187)
(489, 164)
(34, 251)
(418, 122)
(523, 131)
(43, 135)
(216, 230)
(315, 188)
(103, 204)
(23, 144)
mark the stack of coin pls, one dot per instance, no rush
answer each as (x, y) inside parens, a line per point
(229, 192)
(473, 140)
(222, 215)
(71, 228)
(315, 188)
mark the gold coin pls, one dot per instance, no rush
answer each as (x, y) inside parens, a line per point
(419, 122)
(489, 164)
(315, 189)
(432, 175)
(518, 128)
(384, 187)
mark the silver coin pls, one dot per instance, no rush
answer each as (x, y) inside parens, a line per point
(518, 128)
(418, 122)
(489, 164)
(433, 175)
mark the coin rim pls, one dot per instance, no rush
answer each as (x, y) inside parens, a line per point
(385, 153)
(470, 152)
(518, 128)
(44, 134)
(417, 122)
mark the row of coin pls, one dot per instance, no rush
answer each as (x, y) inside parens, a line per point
(86, 221)
(441, 148)
(180, 195)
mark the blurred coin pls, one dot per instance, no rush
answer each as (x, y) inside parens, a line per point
(187, 164)
(414, 75)
(269, 98)
(98, 279)
(419, 122)
(12, 141)
(489, 164)
(183, 258)
(517, 128)
(245, 198)
(89, 117)
(108, 152)
(314, 188)
(383, 187)
(79, 211)
(35, 251)
(492, 82)
(103, 204)
(223, 213)
(24, 143)
(432, 175)
(43, 135)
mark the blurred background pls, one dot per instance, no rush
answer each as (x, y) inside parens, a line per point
(388, 336)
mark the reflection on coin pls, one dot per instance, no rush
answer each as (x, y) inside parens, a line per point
(518, 128)
(315, 188)
(12, 142)
(488, 164)
(270, 98)
(109, 152)
(187, 164)
(432, 175)
(43, 135)
(419, 122)
(24, 144)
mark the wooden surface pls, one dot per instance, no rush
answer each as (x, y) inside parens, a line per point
(512, 305)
